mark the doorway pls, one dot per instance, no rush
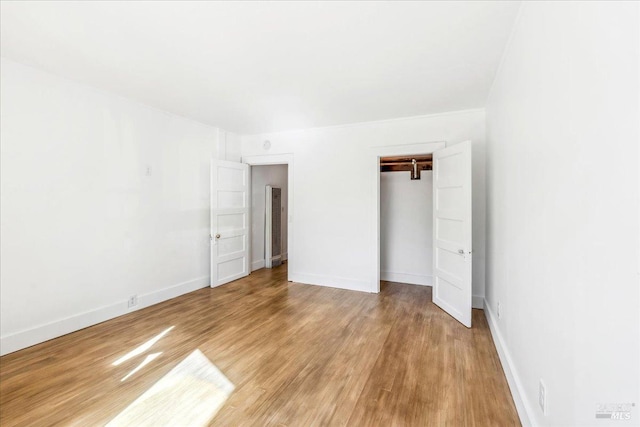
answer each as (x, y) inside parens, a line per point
(451, 219)
(284, 161)
(406, 219)
(376, 154)
(269, 206)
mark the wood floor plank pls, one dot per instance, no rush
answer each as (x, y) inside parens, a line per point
(297, 355)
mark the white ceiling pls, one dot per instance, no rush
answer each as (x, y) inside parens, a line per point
(254, 67)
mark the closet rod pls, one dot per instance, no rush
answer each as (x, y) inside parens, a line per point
(413, 164)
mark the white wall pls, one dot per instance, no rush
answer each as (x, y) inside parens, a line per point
(102, 198)
(406, 224)
(334, 205)
(562, 212)
(261, 176)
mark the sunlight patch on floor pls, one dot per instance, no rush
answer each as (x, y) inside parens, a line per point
(144, 363)
(144, 347)
(190, 394)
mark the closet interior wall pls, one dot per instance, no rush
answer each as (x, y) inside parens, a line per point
(406, 222)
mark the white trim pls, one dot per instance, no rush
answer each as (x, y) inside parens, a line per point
(280, 159)
(330, 281)
(412, 279)
(423, 280)
(477, 301)
(42, 333)
(367, 123)
(257, 265)
(260, 263)
(374, 160)
(513, 379)
(268, 159)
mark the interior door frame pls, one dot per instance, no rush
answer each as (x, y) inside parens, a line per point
(374, 156)
(277, 159)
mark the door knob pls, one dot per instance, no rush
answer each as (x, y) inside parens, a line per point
(218, 236)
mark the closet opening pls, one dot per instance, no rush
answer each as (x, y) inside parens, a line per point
(406, 219)
(423, 221)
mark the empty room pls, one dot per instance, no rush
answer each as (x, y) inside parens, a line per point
(323, 213)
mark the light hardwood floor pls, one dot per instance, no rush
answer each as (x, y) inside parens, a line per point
(298, 355)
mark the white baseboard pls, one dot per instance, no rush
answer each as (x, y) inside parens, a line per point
(412, 279)
(423, 280)
(146, 300)
(477, 302)
(257, 265)
(513, 379)
(27, 338)
(331, 281)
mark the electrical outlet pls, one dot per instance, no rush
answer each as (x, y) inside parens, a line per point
(133, 301)
(542, 397)
(498, 311)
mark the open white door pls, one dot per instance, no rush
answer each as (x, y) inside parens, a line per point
(229, 219)
(452, 231)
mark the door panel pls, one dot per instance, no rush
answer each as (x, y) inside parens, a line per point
(231, 199)
(452, 231)
(229, 221)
